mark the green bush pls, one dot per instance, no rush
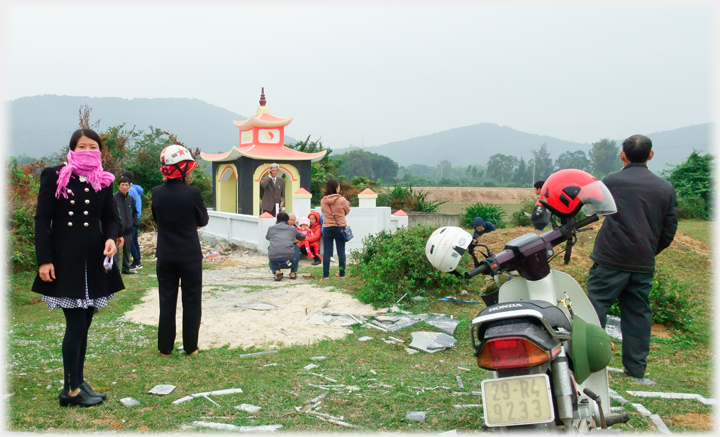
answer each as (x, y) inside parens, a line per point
(669, 305)
(405, 198)
(692, 208)
(22, 193)
(519, 218)
(392, 264)
(488, 211)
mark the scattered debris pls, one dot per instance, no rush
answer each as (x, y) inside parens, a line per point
(228, 427)
(255, 354)
(459, 381)
(326, 303)
(418, 298)
(318, 358)
(341, 423)
(397, 340)
(642, 410)
(463, 368)
(416, 416)
(48, 387)
(318, 399)
(320, 318)
(286, 332)
(614, 370)
(323, 376)
(459, 407)
(247, 407)
(310, 366)
(325, 415)
(403, 297)
(411, 351)
(162, 389)
(373, 372)
(445, 324)
(205, 394)
(431, 342)
(366, 338)
(456, 300)
(653, 394)
(395, 323)
(271, 364)
(129, 402)
(615, 395)
(661, 427)
(257, 306)
(612, 327)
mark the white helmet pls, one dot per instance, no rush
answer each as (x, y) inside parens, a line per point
(175, 154)
(446, 246)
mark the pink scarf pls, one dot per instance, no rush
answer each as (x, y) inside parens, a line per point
(83, 163)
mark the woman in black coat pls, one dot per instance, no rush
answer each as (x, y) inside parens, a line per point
(76, 226)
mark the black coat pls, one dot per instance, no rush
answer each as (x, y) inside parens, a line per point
(127, 212)
(70, 233)
(644, 224)
(178, 209)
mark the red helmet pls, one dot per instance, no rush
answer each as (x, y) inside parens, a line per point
(176, 162)
(566, 191)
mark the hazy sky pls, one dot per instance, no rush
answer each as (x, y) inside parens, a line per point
(371, 73)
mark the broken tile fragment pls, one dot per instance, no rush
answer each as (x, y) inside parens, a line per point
(129, 402)
(228, 427)
(365, 338)
(431, 342)
(653, 394)
(460, 383)
(255, 354)
(411, 351)
(445, 324)
(247, 407)
(320, 318)
(616, 396)
(310, 366)
(416, 416)
(162, 389)
(642, 410)
(318, 358)
(661, 427)
(459, 407)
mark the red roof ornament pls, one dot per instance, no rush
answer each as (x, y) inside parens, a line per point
(400, 213)
(266, 215)
(367, 191)
(262, 97)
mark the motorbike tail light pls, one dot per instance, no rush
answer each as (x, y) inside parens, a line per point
(511, 352)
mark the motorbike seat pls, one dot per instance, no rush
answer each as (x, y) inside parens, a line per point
(550, 313)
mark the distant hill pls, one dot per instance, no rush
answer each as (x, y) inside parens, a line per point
(40, 125)
(471, 145)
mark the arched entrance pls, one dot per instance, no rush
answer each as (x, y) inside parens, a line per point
(226, 191)
(292, 184)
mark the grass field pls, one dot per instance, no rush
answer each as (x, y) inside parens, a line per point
(382, 382)
(459, 208)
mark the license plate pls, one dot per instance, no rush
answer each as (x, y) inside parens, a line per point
(517, 400)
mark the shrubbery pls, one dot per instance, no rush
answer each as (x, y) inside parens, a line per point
(519, 218)
(669, 305)
(488, 211)
(20, 231)
(407, 199)
(392, 264)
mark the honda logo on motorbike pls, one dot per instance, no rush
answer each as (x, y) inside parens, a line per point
(504, 307)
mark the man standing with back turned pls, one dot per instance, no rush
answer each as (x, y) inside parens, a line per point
(626, 246)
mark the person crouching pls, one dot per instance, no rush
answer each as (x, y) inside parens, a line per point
(283, 251)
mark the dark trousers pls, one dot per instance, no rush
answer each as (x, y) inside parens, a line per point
(74, 345)
(135, 247)
(606, 285)
(125, 254)
(329, 235)
(188, 275)
(282, 263)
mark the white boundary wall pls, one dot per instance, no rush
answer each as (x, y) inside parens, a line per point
(249, 231)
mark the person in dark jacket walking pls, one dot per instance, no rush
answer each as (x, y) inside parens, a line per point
(76, 226)
(136, 192)
(179, 211)
(127, 212)
(283, 249)
(626, 246)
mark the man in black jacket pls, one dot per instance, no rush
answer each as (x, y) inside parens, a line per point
(626, 246)
(127, 212)
(179, 211)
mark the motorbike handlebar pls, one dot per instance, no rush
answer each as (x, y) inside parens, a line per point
(582, 223)
(483, 268)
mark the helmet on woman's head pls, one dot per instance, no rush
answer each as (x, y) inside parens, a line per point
(446, 246)
(176, 162)
(567, 191)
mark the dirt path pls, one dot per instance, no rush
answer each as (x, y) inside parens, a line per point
(246, 280)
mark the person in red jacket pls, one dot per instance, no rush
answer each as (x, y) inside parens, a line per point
(314, 241)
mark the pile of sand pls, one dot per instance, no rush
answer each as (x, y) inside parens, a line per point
(243, 279)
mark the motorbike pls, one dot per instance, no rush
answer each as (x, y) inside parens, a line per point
(539, 337)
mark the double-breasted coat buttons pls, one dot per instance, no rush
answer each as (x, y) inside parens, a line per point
(85, 212)
(87, 201)
(87, 190)
(70, 213)
(86, 224)
(72, 202)
(69, 223)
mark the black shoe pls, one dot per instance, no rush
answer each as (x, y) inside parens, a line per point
(625, 371)
(136, 267)
(317, 262)
(128, 272)
(82, 399)
(87, 389)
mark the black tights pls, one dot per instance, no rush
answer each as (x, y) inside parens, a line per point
(77, 325)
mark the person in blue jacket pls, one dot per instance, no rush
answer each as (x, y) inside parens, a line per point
(480, 227)
(135, 191)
